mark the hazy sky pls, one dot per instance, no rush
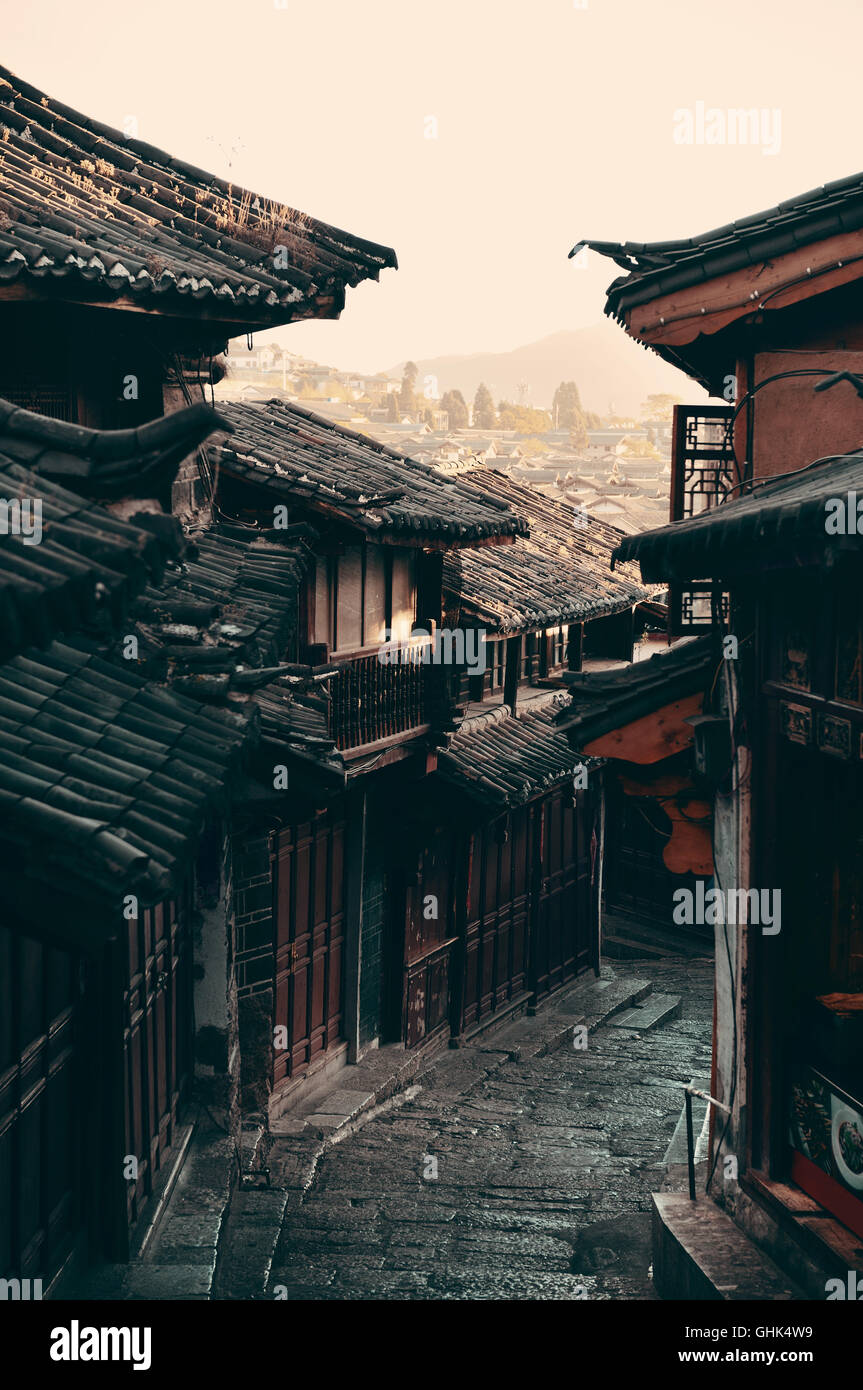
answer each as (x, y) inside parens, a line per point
(553, 122)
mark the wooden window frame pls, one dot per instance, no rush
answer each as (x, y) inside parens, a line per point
(332, 560)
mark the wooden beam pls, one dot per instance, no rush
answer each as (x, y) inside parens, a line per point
(394, 747)
(667, 785)
(705, 308)
(322, 306)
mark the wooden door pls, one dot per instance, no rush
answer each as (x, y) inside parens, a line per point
(157, 1039)
(429, 937)
(496, 935)
(564, 934)
(309, 888)
(41, 1078)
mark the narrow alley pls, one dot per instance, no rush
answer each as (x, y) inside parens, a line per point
(518, 1169)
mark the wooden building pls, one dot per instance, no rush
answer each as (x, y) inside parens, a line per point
(638, 720)
(523, 860)
(377, 908)
(331, 952)
(549, 603)
(131, 658)
(114, 789)
(786, 764)
(764, 551)
(124, 271)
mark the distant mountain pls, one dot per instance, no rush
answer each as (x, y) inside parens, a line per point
(608, 367)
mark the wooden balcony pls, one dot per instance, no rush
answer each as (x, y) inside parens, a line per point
(370, 701)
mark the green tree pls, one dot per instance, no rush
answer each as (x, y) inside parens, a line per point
(578, 433)
(533, 448)
(393, 412)
(566, 408)
(640, 448)
(407, 394)
(659, 407)
(484, 415)
(524, 419)
(453, 402)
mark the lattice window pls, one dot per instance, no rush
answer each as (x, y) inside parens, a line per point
(697, 607)
(702, 460)
(702, 475)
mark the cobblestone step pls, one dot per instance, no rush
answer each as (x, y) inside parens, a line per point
(382, 1073)
(659, 1008)
(180, 1259)
(255, 1222)
(257, 1214)
(701, 1254)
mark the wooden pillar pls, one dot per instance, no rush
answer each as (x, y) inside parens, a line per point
(457, 927)
(111, 1200)
(354, 875)
(511, 674)
(596, 804)
(627, 622)
(429, 587)
(575, 647)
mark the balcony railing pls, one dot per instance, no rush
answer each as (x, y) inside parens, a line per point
(370, 700)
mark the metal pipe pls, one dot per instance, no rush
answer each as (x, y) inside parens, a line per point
(688, 1093)
(690, 1144)
(711, 1100)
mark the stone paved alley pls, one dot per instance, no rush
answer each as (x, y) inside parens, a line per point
(545, 1157)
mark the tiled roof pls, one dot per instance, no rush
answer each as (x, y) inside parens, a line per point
(743, 534)
(221, 626)
(606, 700)
(662, 267)
(504, 760)
(85, 209)
(325, 467)
(105, 463)
(104, 777)
(108, 767)
(294, 713)
(88, 564)
(234, 599)
(561, 573)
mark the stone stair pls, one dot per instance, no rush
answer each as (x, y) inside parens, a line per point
(700, 1254)
(178, 1248)
(650, 1013)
